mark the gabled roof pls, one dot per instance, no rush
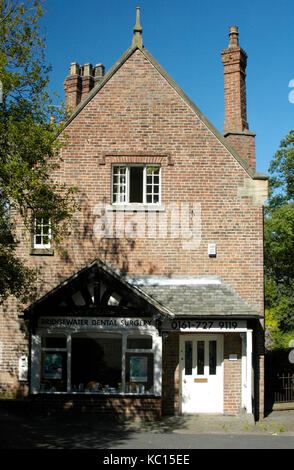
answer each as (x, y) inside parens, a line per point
(179, 91)
(62, 296)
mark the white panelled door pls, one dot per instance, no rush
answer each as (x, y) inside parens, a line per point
(201, 373)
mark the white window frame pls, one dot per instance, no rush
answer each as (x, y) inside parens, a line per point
(37, 349)
(127, 185)
(41, 234)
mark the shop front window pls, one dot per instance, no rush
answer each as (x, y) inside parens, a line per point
(101, 363)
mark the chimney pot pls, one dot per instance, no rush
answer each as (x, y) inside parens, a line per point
(74, 69)
(88, 70)
(99, 70)
(233, 36)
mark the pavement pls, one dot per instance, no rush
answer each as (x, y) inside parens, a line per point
(24, 429)
(275, 423)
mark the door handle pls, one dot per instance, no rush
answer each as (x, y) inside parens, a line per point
(184, 381)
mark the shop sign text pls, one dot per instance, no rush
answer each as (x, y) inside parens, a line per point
(94, 323)
(203, 325)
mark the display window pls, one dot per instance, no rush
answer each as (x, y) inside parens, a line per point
(100, 363)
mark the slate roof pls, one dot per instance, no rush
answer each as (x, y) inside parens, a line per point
(207, 297)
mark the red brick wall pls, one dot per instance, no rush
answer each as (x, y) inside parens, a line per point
(138, 113)
(127, 407)
(245, 146)
(146, 116)
(170, 375)
(232, 374)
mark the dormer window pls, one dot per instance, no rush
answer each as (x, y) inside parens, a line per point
(42, 233)
(138, 184)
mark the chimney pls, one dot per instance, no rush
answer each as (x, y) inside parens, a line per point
(236, 129)
(80, 81)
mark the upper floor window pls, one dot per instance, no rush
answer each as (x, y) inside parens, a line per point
(136, 184)
(42, 233)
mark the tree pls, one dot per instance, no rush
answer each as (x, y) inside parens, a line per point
(279, 235)
(282, 171)
(28, 144)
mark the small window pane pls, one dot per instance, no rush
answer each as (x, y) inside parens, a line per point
(54, 342)
(53, 371)
(136, 342)
(200, 357)
(188, 357)
(212, 357)
(38, 240)
(139, 372)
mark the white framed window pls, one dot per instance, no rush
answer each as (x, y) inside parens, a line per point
(103, 363)
(42, 233)
(136, 184)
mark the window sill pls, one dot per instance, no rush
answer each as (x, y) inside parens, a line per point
(101, 394)
(42, 252)
(136, 207)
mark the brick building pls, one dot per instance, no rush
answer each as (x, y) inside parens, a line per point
(155, 306)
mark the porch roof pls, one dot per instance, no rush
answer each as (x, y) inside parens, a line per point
(195, 296)
(165, 297)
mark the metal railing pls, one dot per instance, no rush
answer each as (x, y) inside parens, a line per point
(284, 387)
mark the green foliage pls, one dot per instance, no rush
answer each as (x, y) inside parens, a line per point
(281, 339)
(279, 237)
(28, 145)
(279, 242)
(275, 337)
(282, 171)
(270, 319)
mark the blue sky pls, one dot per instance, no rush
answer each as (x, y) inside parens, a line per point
(186, 38)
